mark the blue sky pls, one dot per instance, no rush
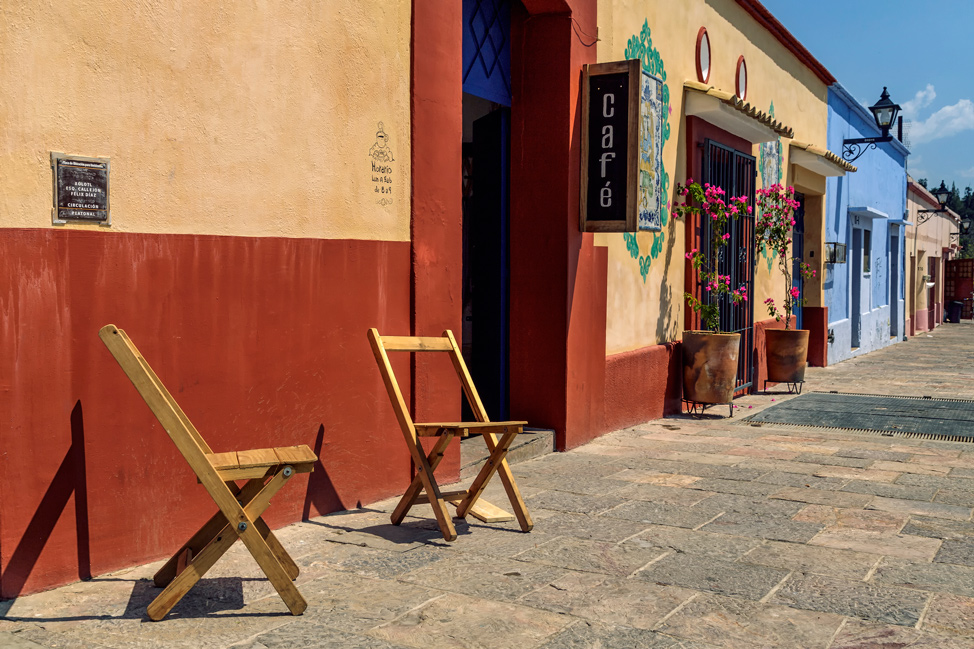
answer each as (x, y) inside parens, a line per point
(922, 51)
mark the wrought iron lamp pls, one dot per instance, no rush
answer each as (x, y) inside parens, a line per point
(884, 112)
(965, 226)
(942, 194)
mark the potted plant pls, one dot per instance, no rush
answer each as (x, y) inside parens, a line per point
(787, 349)
(710, 356)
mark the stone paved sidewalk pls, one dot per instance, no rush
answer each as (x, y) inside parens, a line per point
(692, 532)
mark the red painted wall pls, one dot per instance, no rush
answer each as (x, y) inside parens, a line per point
(261, 341)
(816, 320)
(922, 318)
(558, 280)
(436, 226)
(643, 384)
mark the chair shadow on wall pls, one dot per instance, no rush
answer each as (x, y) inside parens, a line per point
(70, 479)
(321, 491)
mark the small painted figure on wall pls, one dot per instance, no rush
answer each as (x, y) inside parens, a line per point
(380, 150)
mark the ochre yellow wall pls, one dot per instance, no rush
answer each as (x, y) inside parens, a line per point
(244, 119)
(923, 243)
(643, 313)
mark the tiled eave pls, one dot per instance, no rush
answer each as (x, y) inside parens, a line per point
(729, 112)
(821, 161)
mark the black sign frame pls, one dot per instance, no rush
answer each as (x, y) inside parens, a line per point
(609, 189)
(81, 189)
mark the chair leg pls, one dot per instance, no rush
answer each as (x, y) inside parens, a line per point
(273, 569)
(184, 581)
(205, 534)
(424, 479)
(254, 500)
(408, 499)
(265, 557)
(497, 455)
(513, 493)
(168, 572)
(287, 562)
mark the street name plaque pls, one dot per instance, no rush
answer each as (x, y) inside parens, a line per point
(80, 189)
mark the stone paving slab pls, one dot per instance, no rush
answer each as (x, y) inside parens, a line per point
(585, 634)
(931, 577)
(846, 564)
(935, 510)
(923, 494)
(856, 634)
(611, 600)
(601, 557)
(457, 620)
(678, 539)
(956, 551)
(734, 623)
(821, 497)
(950, 614)
(701, 572)
(853, 598)
(692, 532)
(938, 528)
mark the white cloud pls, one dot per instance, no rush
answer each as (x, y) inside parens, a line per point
(949, 120)
(968, 173)
(922, 99)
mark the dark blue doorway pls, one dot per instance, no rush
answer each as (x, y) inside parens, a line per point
(855, 303)
(486, 199)
(486, 224)
(798, 255)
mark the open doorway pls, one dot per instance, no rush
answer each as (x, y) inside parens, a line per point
(855, 303)
(486, 200)
(486, 245)
(798, 257)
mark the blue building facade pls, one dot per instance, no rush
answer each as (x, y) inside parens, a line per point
(865, 211)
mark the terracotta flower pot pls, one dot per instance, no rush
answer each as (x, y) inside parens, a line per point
(787, 354)
(710, 366)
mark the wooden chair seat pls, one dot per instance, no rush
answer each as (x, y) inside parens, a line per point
(245, 465)
(240, 508)
(468, 428)
(424, 488)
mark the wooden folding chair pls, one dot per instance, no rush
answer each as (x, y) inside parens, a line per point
(468, 501)
(240, 508)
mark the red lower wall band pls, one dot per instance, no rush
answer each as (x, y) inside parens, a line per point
(261, 341)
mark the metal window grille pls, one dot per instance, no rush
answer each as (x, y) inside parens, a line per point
(735, 173)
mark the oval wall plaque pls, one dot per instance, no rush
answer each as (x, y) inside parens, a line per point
(703, 55)
(741, 78)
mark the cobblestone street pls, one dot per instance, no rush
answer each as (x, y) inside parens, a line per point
(693, 532)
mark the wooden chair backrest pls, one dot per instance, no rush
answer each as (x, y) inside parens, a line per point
(187, 439)
(445, 343)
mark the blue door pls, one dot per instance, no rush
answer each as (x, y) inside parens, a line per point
(487, 221)
(855, 303)
(487, 50)
(798, 255)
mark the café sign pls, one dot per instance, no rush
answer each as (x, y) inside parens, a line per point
(621, 148)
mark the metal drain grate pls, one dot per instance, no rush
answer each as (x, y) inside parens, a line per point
(943, 419)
